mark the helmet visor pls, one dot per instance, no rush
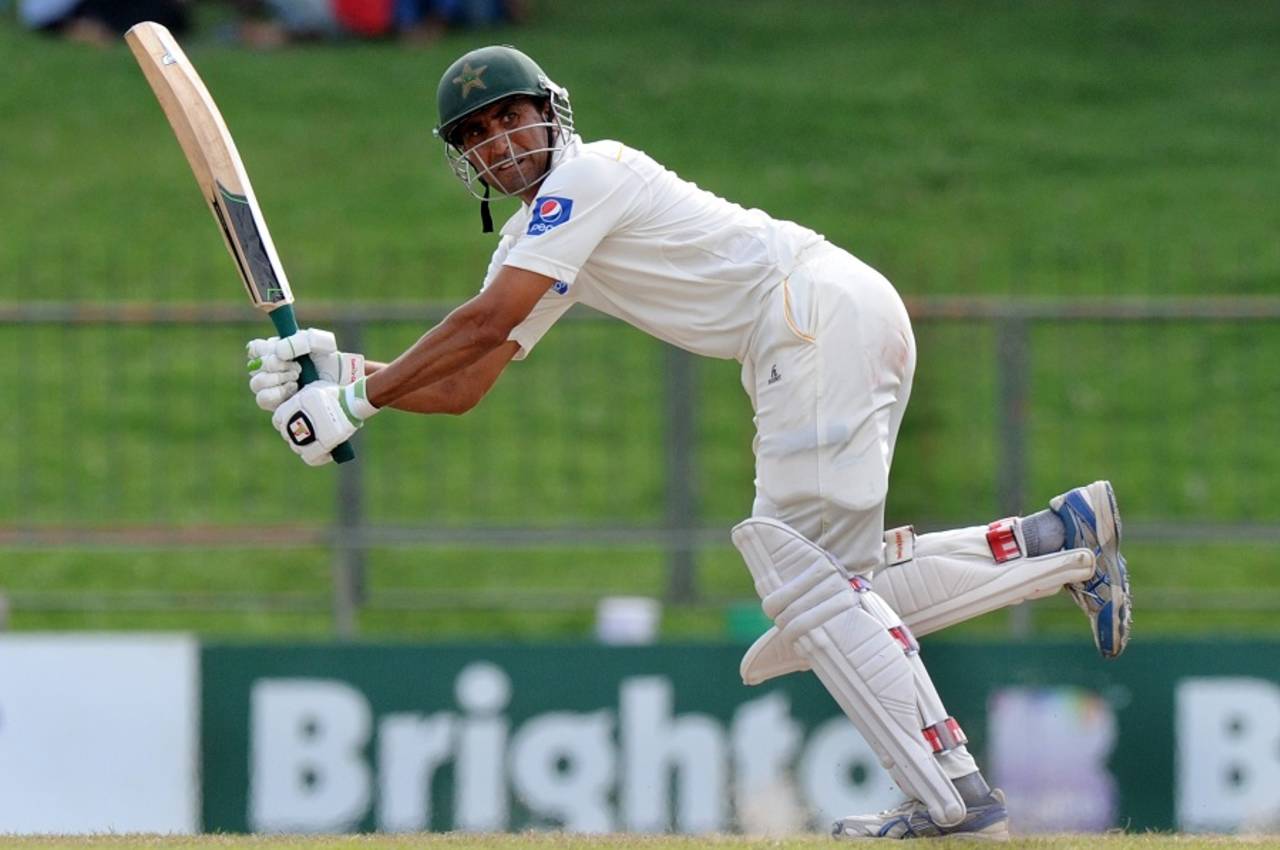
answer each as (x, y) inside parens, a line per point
(514, 169)
(504, 162)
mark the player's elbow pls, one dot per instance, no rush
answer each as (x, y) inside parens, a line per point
(486, 329)
(459, 403)
(459, 395)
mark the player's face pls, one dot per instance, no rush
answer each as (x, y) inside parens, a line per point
(508, 144)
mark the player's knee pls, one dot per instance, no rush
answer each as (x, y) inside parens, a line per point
(807, 601)
(861, 488)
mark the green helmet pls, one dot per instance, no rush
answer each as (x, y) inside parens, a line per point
(481, 78)
(484, 77)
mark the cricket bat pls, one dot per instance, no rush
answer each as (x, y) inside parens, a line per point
(212, 154)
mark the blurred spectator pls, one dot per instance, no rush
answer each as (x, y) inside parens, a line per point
(427, 20)
(366, 18)
(268, 23)
(271, 23)
(101, 21)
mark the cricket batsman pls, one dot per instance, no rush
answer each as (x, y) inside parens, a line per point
(827, 356)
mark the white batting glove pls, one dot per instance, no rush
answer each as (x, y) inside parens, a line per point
(321, 417)
(274, 371)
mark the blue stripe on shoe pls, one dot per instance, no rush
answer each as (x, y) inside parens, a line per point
(1080, 505)
(985, 819)
(1105, 631)
(1069, 526)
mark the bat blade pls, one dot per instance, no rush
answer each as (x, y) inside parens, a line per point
(214, 160)
(220, 173)
(255, 258)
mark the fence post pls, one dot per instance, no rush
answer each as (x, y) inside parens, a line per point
(681, 495)
(1012, 368)
(348, 528)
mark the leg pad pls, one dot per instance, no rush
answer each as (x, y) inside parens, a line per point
(844, 636)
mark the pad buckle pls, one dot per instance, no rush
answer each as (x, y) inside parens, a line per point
(905, 639)
(944, 736)
(899, 545)
(1003, 540)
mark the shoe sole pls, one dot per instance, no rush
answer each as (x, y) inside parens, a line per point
(991, 822)
(996, 832)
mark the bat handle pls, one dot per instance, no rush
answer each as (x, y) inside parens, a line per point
(287, 325)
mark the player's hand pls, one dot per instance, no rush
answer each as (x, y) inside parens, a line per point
(321, 417)
(274, 371)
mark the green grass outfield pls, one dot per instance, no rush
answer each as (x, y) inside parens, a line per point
(609, 842)
(1056, 149)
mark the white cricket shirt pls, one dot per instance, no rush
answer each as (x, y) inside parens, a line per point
(624, 235)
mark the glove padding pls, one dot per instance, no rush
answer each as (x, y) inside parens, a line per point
(321, 417)
(274, 371)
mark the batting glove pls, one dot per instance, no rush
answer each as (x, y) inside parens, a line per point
(321, 417)
(274, 370)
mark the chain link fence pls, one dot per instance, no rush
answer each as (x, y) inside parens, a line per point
(140, 438)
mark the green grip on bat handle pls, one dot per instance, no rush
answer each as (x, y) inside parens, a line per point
(287, 325)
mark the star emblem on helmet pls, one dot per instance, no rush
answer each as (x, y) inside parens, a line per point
(469, 78)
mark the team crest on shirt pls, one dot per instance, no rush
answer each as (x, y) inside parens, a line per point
(548, 212)
(560, 287)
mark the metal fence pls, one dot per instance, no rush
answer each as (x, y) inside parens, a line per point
(140, 437)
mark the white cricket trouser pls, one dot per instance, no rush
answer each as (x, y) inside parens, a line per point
(829, 373)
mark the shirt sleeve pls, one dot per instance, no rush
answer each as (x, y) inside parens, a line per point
(497, 260)
(550, 307)
(581, 203)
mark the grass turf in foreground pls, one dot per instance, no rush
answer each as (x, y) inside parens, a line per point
(457, 841)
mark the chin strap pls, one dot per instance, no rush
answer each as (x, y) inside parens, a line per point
(486, 218)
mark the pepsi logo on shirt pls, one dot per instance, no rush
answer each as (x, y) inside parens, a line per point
(548, 212)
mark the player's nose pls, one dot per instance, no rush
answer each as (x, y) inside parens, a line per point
(498, 147)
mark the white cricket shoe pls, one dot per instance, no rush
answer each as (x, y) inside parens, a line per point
(988, 820)
(1092, 522)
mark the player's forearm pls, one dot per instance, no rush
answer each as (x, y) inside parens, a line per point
(459, 393)
(436, 398)
(442, 397)
(445, 351)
